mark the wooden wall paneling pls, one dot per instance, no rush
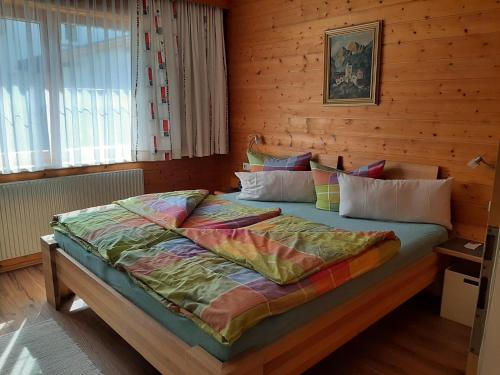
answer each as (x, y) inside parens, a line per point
(293, 15)
(440, 86)
(195, 173)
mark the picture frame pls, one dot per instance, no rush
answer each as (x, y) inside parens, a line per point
(352, 64)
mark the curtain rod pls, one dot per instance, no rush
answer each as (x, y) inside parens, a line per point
(96, 13)
(225, 4)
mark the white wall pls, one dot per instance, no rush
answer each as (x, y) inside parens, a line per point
(489, 358)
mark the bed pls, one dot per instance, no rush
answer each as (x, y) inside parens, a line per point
(173, 344)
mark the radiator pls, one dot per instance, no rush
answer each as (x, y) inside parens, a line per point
(27, 207)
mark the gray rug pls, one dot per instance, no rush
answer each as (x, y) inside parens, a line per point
(42, 348)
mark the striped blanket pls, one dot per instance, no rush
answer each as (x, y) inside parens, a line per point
(223, 265)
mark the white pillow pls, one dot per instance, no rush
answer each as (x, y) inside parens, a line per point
(419, 201)
(278, 186)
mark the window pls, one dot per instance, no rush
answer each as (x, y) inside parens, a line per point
(65, 86)
(95, 102)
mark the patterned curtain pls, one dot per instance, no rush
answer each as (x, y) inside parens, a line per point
(180, 80)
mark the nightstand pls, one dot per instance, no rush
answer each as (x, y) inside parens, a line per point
(455, 248)
(461, 280)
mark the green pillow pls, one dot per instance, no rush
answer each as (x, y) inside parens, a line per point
(327, 186)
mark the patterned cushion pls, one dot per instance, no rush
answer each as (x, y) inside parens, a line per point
(264, 162)
(326, 182)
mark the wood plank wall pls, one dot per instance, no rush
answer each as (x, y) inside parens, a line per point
(196, 173)
(440, 88)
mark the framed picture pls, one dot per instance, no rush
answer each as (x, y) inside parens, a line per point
(352, 60)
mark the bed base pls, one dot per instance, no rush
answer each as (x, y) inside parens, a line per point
(292, 354)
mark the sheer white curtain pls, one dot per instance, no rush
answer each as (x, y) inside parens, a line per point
(188, 39)
(65, 83)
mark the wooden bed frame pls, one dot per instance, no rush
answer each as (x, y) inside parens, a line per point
(291, 354)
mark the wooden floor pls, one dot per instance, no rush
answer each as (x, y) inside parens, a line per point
(411, 340)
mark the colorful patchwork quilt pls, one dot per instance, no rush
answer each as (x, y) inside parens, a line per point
(224, 265)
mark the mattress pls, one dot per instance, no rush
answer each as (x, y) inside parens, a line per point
(417, 240)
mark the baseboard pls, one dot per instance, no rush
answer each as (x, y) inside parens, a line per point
(20, 262)
(472, 364)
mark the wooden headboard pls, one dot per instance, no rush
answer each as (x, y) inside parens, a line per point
(330, 160)
(398, 170)
(407, 171)
(393, 170)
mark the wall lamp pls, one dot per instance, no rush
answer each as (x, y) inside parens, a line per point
(254, 139)
(474, 163)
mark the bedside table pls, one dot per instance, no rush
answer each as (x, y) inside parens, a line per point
(455, 248)
(461, 280)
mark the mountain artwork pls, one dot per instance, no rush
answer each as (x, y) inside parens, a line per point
(351, 65)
